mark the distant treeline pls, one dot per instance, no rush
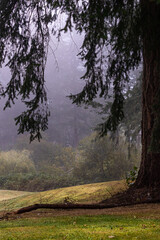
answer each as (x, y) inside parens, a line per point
(44, 165)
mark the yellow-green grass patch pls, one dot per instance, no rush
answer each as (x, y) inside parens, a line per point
(89, 193)
(9, 194)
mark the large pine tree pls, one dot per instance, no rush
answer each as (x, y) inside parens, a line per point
(118, 36)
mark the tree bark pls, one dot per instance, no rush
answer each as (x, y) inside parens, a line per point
(149, 173)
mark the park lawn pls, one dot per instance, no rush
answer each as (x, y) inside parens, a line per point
(88, 193)
(134, 222)
(99, 227)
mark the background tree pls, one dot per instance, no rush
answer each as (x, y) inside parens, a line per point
(104, 159)
(16, 162)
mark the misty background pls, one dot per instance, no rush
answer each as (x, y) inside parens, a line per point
(67, 124)
(68, 154)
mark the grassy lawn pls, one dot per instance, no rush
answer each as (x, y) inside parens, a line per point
(134, 222)
(88, 193)
(80, 228)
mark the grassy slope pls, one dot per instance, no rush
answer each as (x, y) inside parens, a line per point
(134, 222)
(9, 194)
(89, 193)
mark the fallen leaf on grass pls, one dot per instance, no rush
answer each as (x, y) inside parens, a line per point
(144, 226)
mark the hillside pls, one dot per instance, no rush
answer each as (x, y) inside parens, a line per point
(9, 194)
(89, 193)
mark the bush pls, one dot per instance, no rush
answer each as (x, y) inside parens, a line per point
(46, 165)
(16, 162)
(34, 182)
(103, 160)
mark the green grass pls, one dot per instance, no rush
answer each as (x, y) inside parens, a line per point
(131, 223)
(80, 228)
(89, 193)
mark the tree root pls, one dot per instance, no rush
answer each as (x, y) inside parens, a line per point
(70, 206)
(127, 198)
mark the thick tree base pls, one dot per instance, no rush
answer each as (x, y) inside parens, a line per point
(135, 195)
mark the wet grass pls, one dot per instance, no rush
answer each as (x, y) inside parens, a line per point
(81, 228)
(126, 223)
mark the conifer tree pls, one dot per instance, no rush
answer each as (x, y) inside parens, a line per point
(118, 35)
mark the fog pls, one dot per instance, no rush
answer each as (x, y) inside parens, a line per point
(67, 123)
(68, 153)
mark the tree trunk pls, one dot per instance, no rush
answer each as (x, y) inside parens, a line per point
(75, 128)
(149, 173)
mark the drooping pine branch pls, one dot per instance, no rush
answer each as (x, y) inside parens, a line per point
(111, 48)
